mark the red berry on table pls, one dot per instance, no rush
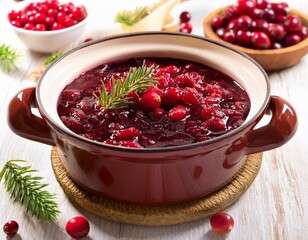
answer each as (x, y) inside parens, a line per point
(186, 27)
(261, 40)
(78, 227)
(10, 228)
(185, 17)
(222, 222)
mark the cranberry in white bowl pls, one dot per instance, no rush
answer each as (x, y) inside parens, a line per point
(48, 25)
(161, 174)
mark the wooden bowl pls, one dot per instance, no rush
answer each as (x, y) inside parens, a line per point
(272, 59)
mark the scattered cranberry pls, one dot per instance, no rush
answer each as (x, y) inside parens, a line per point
(221, 222)
(10, 228)
(77, 227)
(259, 24)
(185, 17)
(47, 15)
(185, 25)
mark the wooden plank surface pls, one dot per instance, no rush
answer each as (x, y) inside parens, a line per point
(274, 207)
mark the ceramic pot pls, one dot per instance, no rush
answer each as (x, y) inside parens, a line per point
(154, 176)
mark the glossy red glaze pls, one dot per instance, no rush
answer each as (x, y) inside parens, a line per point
(154, 176)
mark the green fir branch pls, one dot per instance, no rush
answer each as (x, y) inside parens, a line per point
(28, 190)
(53, 57)
(137, 80)
(131, 17)
(8, 58)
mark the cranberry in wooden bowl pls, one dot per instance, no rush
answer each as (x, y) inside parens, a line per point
(153, 175)
(273, 34)
(48, 25)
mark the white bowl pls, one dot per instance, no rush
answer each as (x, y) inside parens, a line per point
(49, 41)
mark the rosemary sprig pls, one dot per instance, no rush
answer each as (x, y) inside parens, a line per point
(8, 58)
(138, 79)
(53, 57)
(27, 190)
(130, 17)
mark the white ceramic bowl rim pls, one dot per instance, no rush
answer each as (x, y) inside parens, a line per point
(64, 130)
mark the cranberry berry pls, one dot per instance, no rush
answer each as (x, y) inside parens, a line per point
(260, 40)
(10, 228)
(185, 25)
(77, 227)
(222, 222)
(185, 17)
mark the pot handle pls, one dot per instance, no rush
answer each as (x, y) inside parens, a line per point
(277, 132)
(23, 122)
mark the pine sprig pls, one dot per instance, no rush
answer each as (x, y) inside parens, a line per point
(131, 17)
(28, 190)
(8, 58)
(53, 57)
(137, 80)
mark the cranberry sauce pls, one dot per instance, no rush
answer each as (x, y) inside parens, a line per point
(189, 103)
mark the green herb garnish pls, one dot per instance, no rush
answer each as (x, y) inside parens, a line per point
(53, 57)
(8, 58)
(131, 17)
(138, 79)
(27, 190)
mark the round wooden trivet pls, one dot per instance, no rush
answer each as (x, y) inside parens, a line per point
(158, 215)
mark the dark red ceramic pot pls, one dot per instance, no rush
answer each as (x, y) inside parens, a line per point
(154, 176)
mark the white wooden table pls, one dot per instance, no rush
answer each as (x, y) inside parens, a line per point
(274, 207)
